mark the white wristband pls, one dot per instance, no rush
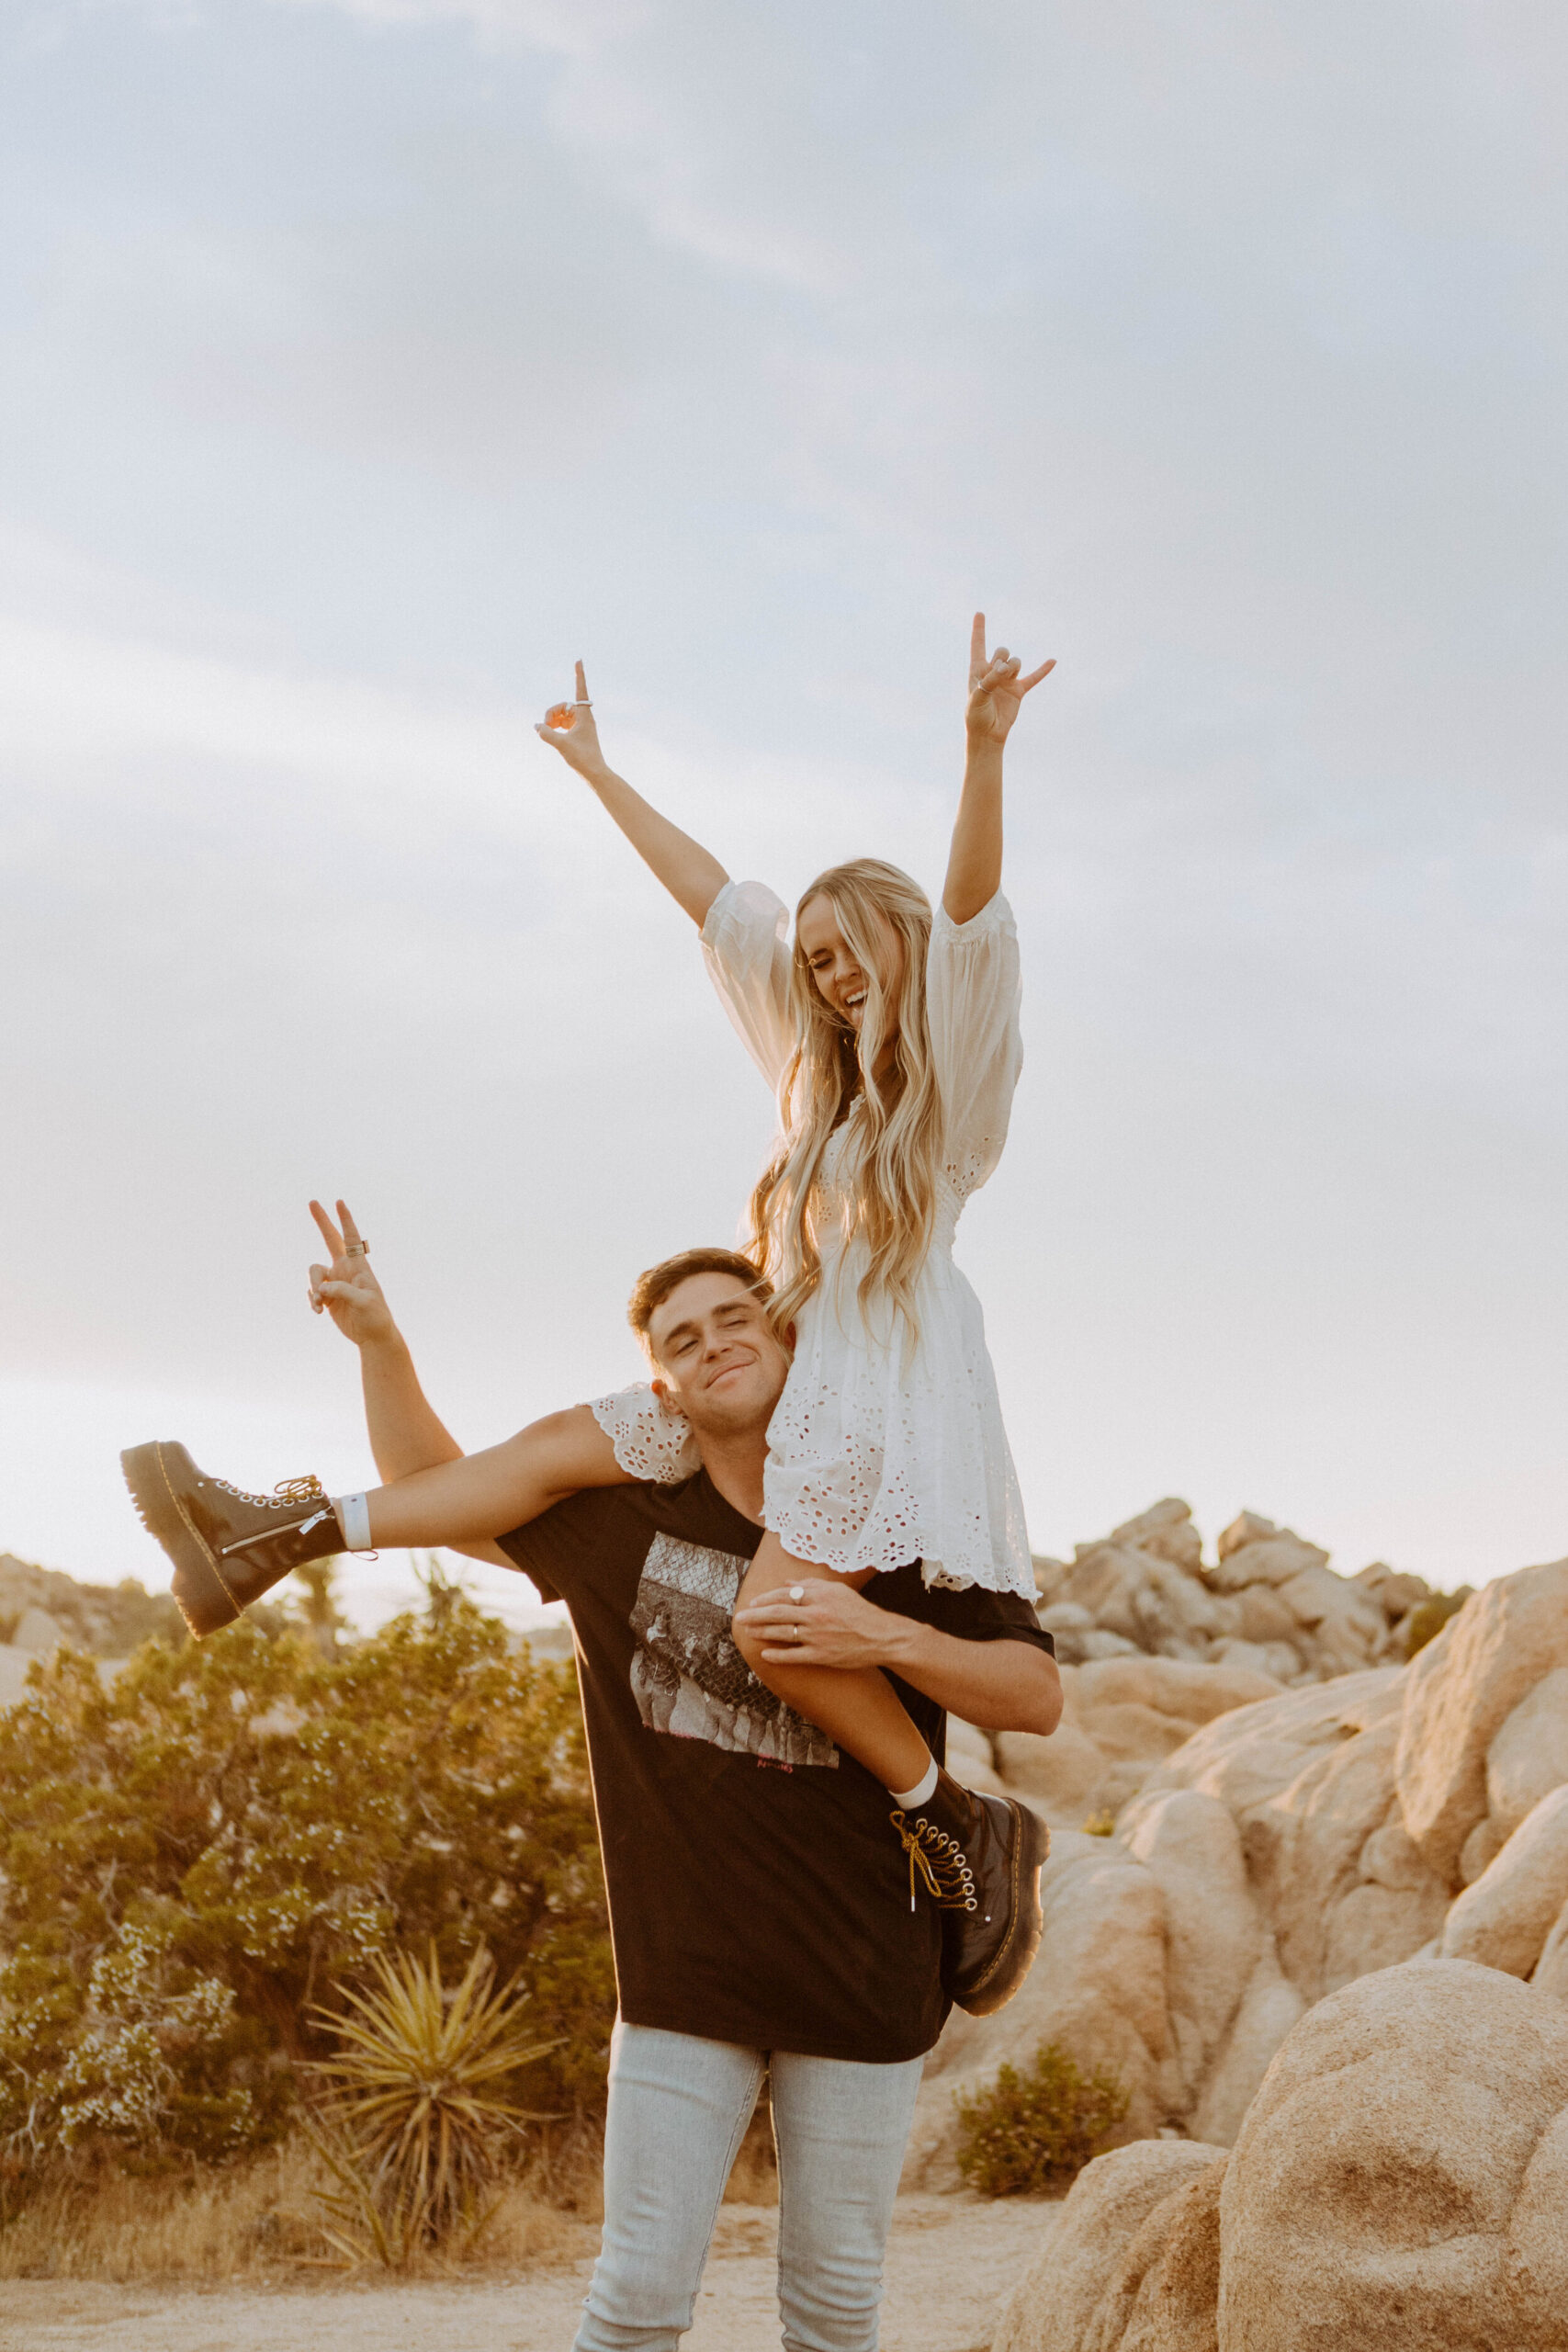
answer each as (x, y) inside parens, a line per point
(353, 1517)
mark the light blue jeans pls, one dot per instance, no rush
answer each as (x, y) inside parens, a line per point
(678, 2107)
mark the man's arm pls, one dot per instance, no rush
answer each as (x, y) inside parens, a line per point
(405, 1430)
(518, 1479)
(997, 1684)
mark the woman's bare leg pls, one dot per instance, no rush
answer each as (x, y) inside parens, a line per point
(856, 1706)
(483, 1495)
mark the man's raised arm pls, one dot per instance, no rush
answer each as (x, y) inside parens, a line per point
(405, 1430)
(501, 1487)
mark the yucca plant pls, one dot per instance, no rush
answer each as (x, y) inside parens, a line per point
(414, 2127)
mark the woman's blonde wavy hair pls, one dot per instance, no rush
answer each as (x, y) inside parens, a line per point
(894, 1205)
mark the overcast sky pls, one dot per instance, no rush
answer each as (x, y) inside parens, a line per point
(364, 362)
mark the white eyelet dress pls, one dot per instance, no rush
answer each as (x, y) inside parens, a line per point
(879, 1454)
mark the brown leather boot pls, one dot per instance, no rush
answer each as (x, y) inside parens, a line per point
(979, 1858)
(228, 1547)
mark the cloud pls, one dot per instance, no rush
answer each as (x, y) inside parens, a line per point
(365, 362)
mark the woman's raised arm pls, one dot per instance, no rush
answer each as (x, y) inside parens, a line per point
(996, 691)
(692, 877)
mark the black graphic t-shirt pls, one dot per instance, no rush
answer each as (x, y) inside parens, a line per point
(758, 1891)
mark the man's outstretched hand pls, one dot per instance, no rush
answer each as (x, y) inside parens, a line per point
(346, 1289)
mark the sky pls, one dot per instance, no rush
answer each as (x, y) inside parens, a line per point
(366, 361)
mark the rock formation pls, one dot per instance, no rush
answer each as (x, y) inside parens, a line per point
(1400, 2185)
(1269, 1602)
(40, 1608)
(1289, 1847)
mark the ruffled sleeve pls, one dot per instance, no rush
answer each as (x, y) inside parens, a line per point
(745, 949)
(650, 1442)
(973, 994)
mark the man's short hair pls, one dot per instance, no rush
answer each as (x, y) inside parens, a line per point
(651, 1289)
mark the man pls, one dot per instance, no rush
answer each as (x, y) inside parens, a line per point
(761, 1917)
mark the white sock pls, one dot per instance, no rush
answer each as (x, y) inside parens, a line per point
(923, 1792)
(353, 1521)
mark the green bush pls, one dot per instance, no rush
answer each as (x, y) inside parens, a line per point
(191, 1858)
(1427, 1620)
(1036, 2131)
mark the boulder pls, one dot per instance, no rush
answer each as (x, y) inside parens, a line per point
(1066, 1617)
(1055, 2302)
(1528, 1757)
(1254, 1658)
(1265, 1616)
(1315, 1848)
(1504, 1919)
(1164, 2295)
(1272, 1558)
(1269, 2008)
(38, 1633)
(1251, 1752)
(1167, 1529)
(1213, 1932)
(969, 1757)
(1401, 2181)
(1105, 1579)
(1460, 1692)
(1394, 1590)
(14, 1665)
(1122, 1717)
(1189, 1695)
(1063, 1772)
(1248, 1527)
(1551, 1968)
(1479, 1850)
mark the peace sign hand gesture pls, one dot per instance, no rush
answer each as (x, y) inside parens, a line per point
(347, 1290)
(568, 728)
(995, 690)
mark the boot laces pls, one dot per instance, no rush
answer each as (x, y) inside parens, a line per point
(938, 1860)
(290, 1493)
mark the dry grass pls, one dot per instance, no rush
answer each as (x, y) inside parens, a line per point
(260, 2219)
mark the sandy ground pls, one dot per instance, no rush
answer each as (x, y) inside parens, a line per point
(949, 2262)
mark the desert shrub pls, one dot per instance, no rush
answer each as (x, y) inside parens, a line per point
(1035, 2130)
(190, 1859)
(1427, 1620)
(418, 2125)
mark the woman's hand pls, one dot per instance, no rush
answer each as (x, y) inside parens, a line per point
(830, 1624)
(347, 1290)
(995, 690)
(568, 728)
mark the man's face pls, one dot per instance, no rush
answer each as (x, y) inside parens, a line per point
(718, 1358)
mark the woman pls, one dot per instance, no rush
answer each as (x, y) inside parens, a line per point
(890, 1037)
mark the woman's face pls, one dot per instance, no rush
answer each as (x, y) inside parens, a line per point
(841, 979)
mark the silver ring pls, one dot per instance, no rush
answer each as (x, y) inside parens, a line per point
(582, 706)
(797, 1592)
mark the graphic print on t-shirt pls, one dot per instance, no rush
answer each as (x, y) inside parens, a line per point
(689, 1679)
